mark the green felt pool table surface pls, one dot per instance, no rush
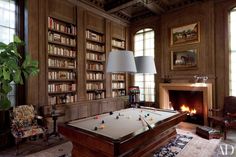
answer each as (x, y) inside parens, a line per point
(121, 123)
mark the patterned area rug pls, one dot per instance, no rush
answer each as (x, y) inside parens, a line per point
(186, 144)
(173, 147)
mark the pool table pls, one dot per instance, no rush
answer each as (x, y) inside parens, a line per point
(127, 132)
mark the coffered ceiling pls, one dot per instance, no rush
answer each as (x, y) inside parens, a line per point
(132, 10)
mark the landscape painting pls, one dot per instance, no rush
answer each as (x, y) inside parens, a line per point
(185, 34)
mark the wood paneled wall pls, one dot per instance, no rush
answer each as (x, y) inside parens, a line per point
(213, 46)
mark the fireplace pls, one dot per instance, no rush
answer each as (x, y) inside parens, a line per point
(189, 101)
(179, 94)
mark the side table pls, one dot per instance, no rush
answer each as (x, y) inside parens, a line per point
(54, 117)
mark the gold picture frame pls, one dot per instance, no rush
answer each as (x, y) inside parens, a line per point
(187, 34)
(184, 59)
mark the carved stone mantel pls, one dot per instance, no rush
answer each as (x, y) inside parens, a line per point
(206, 88)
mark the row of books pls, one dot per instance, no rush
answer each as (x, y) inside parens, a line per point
(93, 96)
(118, 85)
(62, 99)
(118, 77)
(118, 43)
(118, 93)
(94, 66)
(93, 56)
(66, 28)
(61, 87)
(94, 86)
(95, 47)
(93, 36)
(57, 75)
(61, 39)
(94, 76)
(55, 50)
(60, 63)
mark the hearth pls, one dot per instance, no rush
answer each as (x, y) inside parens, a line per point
(203, 90)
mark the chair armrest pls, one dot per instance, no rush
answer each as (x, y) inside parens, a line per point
(38, 117)
(231, 115)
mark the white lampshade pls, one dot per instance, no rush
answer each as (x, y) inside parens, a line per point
(121, 61)
(145, 64)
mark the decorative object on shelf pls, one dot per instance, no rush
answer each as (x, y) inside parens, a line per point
(184, 60)
(121, 61)
(145, 65)
(12, 68)
(200, 78)
(187, 34)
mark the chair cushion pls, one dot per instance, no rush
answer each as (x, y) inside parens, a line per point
(27, 132)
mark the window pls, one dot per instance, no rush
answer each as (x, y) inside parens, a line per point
(232, 72)
(144, 46)
(7, 30)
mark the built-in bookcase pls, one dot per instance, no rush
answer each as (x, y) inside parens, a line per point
(62, 62)
(95, 65)
(118, 79)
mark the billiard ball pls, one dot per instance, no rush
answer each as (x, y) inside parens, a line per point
(111, 113)
(95, 128)
(117, 117)
(102, 126)
(139, 118)
(103, 122)
(148, 114)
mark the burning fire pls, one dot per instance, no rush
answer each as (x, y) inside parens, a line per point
(186, 108)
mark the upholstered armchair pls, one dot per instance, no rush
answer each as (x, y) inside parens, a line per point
(24, 124)
(225, 117)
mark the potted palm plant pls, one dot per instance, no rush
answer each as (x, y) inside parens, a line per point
(13, 69)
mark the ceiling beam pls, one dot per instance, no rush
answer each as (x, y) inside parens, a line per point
(152, 6)
(111, 8)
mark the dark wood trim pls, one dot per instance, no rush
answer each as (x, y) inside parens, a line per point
(20, 89)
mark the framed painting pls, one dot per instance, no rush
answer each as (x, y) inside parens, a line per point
(184, 60)
(186, 34)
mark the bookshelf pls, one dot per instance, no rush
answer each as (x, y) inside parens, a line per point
(118, 80)
(62, 62)
(95, 65)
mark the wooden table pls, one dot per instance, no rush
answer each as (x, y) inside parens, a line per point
(128, 132)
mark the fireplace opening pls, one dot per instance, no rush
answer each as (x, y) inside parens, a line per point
(188, 101)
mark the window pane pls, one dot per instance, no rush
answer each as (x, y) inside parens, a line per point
(138, 38)
(138, 46)
(149, 43)
(232, 77)
(5, 35)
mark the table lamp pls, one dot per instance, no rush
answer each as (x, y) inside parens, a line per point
(121, 61)
(145, 65)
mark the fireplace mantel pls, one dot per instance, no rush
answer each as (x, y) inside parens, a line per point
(206, 88)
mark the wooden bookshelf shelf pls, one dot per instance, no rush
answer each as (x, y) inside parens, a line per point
(61, 44)
(61, 68)
(61, 56)
(61, 32)
(64, 92)
(61, 80)
(96, 41)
